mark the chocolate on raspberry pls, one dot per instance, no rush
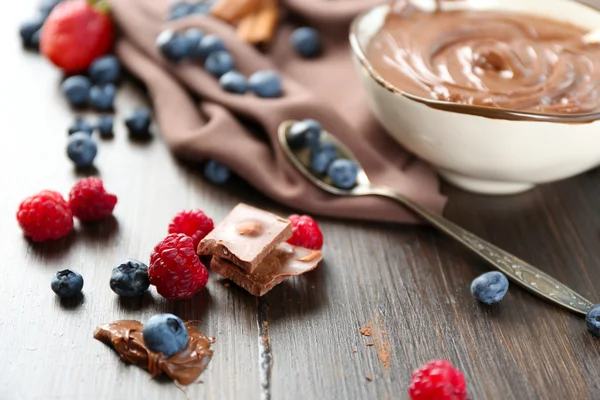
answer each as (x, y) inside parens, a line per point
(89, 201)
(438, 380)
(175, 269)
(44, 216)
(306, 232)
(193, 223)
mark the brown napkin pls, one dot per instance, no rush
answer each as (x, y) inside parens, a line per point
(325, 88)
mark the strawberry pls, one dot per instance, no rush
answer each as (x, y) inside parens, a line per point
(76, 33)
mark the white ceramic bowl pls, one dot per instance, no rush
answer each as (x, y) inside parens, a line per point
(499, 155)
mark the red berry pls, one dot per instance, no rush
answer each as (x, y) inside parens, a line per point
(193, 223)
(76, 33)
(305, 232)
(89, 201)
(44, 216)
(175, 269)
(438, 380)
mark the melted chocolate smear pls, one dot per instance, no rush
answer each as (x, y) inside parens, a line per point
(184, 367)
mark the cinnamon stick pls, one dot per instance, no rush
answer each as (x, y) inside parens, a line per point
(259, 27)
(234, 10)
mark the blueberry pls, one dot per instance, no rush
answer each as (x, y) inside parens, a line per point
(105, 69)
(66, 283)
(174, 46)
(305, 133)
(76, 89)
(216, 173)
(322, 156)
(202, 8)
(210, 44)
(234, 82)
(265, 83)
(219, 62)
(81, 125)
(165, 333)
(306, 42)
(130, 278)
(105, 126)
(35, 40)
(343, 173)
(102, 97)
(28, 29)
(490, 287)
(138, 123)
(592, 320)
(180, 10)
(82, 149)
(194, 37)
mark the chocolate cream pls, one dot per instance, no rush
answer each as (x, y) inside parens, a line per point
(126, 337)
(489, 58)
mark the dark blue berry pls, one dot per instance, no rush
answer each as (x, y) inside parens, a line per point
(305, 133)
(343, 173)
(105, 69)
(210, 44)
(174, 46)
(82, 149)
(194, 37)
(105, 126)
(138, 123)
(81, 125)
(322, 156)
(165, 333)
(306, 42)
(76, 89)
(216, 173)
(180, 10)
(219, 62)
(28, 29)
(202, 8)
(592, 320)
(490, 287)
(130, 278)
(66, 283)
(234, 82)
(265, 83)
(102, 97)
(35, 40)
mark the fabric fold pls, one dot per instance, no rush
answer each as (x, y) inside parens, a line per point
(325, 89)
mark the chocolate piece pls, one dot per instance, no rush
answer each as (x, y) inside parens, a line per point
(285, 261)
(184, 367)
(246, 236)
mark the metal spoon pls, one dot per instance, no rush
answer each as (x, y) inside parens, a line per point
(517, 270)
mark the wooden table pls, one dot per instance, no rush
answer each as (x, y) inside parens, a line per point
(301, 341)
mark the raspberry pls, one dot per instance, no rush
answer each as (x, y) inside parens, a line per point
(306, 232)
(89, 201)
(438, 380)
(193, 223)
(44, 216)
(175, 269)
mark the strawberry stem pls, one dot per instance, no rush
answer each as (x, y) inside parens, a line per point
(100, 5)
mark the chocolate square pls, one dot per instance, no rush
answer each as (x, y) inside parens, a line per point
(246, 236)
(285, 261)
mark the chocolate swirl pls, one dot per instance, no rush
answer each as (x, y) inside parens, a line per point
(489, 58)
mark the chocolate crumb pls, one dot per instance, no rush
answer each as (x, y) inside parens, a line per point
(354, 350)
(368, 378)
(370, 344)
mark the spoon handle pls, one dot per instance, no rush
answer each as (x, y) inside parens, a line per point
(518, 270)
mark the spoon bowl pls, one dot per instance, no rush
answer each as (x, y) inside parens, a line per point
(517, 270)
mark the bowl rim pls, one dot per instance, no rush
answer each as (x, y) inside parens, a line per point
(476, 110)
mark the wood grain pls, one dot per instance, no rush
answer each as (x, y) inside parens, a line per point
(302, 340)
